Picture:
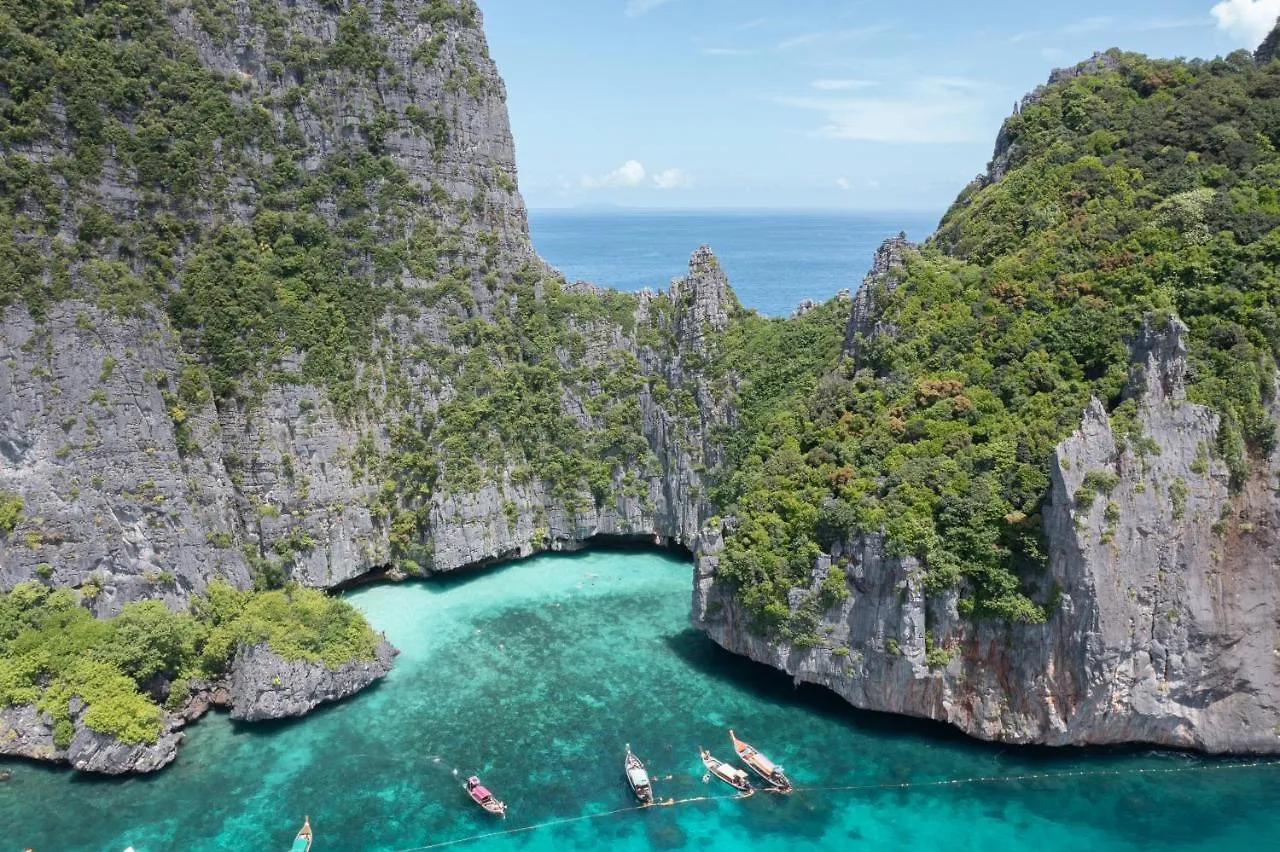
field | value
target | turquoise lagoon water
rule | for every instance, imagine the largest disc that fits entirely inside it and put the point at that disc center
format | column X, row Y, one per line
column 535, row 675
column 774, row 259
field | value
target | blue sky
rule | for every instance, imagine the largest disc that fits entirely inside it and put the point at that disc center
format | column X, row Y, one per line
column 801, row 103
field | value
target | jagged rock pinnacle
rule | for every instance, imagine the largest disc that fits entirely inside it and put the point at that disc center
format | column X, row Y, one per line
column 1270, row 47
column 704, row 293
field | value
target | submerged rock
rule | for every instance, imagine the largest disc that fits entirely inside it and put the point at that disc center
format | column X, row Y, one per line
column 263, row 685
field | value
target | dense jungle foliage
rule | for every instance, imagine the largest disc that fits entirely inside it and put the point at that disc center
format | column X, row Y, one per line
column 1139, row 187
column 52, row 649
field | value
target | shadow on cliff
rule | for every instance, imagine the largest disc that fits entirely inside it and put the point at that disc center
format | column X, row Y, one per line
column 767, row 684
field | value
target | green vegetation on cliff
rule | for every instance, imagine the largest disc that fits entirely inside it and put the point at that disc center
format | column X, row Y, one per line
column 52, row 650
column 10, row 511
column 1136, row 188
column 217, row 162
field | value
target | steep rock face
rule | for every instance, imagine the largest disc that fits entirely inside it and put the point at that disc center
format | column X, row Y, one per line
column 884, row 276
column 114, row 502
column 265, row 686
column 111, row 506
column 1164, row 630
column 137, row 481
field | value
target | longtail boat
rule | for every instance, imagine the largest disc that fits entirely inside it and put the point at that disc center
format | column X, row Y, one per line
column 764, row 767
column 302, row 843
column 731, row 775
column 482, row 797
column 637, row 777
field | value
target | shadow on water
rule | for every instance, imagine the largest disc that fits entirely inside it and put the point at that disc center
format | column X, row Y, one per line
column 767, row 684
column 600, row 545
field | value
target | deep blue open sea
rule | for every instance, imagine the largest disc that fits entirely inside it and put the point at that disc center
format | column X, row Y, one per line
column 773, row 259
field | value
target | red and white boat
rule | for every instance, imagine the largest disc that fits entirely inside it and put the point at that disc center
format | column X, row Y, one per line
column 764, row 767
column 482, row 797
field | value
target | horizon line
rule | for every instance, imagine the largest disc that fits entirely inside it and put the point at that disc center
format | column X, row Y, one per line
column 616, row 208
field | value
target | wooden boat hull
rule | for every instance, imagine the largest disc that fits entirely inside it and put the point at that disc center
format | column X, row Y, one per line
column 302, row 841
column 734, row 777
column 769, row 772
column 495, row 808
column 484, row 798
column 643, row 791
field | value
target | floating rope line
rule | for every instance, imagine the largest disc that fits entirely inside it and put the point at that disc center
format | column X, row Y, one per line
column 950, row 782
column 1042, row 776
column 664, row 804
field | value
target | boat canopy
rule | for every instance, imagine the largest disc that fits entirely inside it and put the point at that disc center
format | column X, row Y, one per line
column 300, row 844
column 763, row 763
column 639, row 777
column 481, row 791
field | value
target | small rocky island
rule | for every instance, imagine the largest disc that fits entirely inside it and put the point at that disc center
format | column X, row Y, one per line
column 261, row 685
column 270, row 321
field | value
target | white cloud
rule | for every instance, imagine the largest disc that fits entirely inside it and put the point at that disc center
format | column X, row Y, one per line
column 671, row 179
column 1156, row 24
column 636, row 8
column 1249, row 21
column 797, row 41
column 931, row 110
column 841, row 85
column 1088, row 25
column 631, row 173
column 832, row 36
column 844, row 183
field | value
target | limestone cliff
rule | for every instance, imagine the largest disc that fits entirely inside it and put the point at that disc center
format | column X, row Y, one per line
column 264, row 686
column 880, row 281
column 1163, row 628
column 270, row 313
column 134, row 484
column 26, row 731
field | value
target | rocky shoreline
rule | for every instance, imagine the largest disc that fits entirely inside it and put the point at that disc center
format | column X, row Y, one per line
column 260, row 686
